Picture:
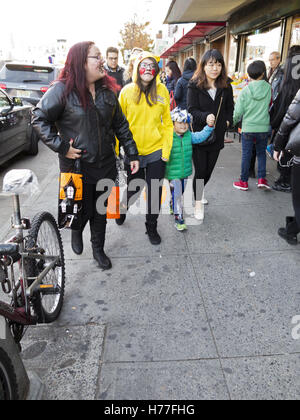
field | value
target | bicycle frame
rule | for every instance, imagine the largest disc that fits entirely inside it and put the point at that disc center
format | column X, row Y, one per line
column 22, row 315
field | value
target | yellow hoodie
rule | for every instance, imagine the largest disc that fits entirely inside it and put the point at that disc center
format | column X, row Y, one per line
column 151, row 126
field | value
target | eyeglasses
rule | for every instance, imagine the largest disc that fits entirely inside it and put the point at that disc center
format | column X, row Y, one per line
column 96, row 57
column 146, row 66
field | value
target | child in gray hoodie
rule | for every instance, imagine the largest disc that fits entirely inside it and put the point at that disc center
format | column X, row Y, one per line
column 253, row 108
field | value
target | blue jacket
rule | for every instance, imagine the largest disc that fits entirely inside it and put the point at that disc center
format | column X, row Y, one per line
column 182, row 88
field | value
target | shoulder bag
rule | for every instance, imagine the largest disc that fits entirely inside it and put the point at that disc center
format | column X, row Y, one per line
column 213, row 137
column 70, row 198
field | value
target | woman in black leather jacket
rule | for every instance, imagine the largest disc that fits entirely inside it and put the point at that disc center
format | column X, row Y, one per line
column 290, row 122
column 79, row 117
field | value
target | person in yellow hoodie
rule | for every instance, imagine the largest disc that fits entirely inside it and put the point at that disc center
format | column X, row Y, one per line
column 146, row 105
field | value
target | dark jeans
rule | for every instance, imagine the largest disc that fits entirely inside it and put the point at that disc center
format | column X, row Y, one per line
column 248, row 140
column 204, row 163
column 154, row 171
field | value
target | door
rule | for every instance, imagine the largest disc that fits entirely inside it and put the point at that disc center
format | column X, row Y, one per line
column 13, row 127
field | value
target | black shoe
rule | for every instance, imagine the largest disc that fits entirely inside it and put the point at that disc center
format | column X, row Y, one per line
column 76, row 242
column 280, row 186
column 152, row 233
column 121, row 220
column 102, row 259
column 290, row 238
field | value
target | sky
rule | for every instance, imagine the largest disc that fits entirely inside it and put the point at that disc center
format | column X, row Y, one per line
column 37, row 21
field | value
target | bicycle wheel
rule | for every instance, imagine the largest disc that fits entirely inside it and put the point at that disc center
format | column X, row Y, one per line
column 8, row 379
column 44, row 235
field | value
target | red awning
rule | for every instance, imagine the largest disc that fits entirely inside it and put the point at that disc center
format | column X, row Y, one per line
column 199, row 31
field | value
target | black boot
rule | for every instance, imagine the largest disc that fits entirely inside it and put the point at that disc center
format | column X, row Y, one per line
column 152, row 233
column 101, row 258
column 289, row 233
column 122, row 217
column 98, row 231
column 76, row 242
column 290, row 238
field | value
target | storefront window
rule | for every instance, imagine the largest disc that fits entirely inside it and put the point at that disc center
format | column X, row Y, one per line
column 232, row 56
column 261, row 44
column 295, row 40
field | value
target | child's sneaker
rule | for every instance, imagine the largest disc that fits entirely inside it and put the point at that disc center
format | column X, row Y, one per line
column 180, row 225
column 241, row 185
column 263, row 184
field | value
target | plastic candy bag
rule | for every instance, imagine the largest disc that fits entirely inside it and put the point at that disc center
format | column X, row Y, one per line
column 21, row 181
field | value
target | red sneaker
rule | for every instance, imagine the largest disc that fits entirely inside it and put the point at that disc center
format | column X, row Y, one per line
column 263, row 184
column 241, row 185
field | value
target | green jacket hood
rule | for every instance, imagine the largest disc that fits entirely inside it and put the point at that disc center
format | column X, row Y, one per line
column 259, row 89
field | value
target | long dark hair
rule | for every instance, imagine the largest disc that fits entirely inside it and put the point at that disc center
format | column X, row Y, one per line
column 173, row 66
column 200, row 76
column 289, row 86
column 73, row 74
column 150, row 90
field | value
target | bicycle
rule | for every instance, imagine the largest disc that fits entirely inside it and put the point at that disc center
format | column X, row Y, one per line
column 36, row 296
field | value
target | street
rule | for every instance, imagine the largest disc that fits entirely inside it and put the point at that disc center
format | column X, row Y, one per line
column 206, row 315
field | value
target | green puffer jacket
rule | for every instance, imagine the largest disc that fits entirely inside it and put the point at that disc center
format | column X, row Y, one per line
column 180, row 164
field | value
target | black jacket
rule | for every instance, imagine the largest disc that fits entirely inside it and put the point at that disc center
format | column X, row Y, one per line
column 290, row 121
column 93, row 130
column 276, row 80
column 118, row 75
column 181, row 89
column 200, row 105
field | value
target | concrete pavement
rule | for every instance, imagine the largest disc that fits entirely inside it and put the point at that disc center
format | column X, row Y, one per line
column 206, row 315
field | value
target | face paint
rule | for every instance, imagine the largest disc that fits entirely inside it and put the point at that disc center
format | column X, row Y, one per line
column 142, row 71
column 145, row 67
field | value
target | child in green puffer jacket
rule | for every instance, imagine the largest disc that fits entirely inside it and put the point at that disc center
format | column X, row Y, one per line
column 180, row 165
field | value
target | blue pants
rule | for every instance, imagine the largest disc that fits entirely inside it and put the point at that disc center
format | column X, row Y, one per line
column 177, row 190
column 260, row 140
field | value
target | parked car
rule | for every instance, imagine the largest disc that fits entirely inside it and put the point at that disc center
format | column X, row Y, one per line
column 16, row 131
column 27, row 81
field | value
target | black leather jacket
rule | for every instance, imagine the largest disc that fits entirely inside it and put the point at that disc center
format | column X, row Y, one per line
column 290, row 121
column 93, row 130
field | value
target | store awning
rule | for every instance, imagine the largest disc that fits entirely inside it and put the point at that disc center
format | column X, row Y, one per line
column 199, row 31
column 189, row 11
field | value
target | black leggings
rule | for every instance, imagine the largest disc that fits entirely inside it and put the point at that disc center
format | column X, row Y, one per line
column 296, row 196
column 204, row 163
column 153, row 171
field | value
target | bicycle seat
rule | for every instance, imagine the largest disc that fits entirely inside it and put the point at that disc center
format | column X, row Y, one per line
column 11, row 250
column 20, row 181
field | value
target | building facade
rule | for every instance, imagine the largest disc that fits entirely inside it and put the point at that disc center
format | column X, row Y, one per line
column 242, row 30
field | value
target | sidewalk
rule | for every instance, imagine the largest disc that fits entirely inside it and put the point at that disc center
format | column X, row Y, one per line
column 207, row 315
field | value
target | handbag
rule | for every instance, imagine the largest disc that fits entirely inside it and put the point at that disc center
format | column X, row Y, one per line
column 212, row 137
column 70, row 199
column 172, row 101
column 113, row 204
column 293, row 145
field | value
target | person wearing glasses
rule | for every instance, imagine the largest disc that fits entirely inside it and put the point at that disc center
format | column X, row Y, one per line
column 112, row 67
column 78, row 118
column 146, row 105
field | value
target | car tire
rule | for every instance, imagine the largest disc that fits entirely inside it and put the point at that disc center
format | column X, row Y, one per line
column 34, row 143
